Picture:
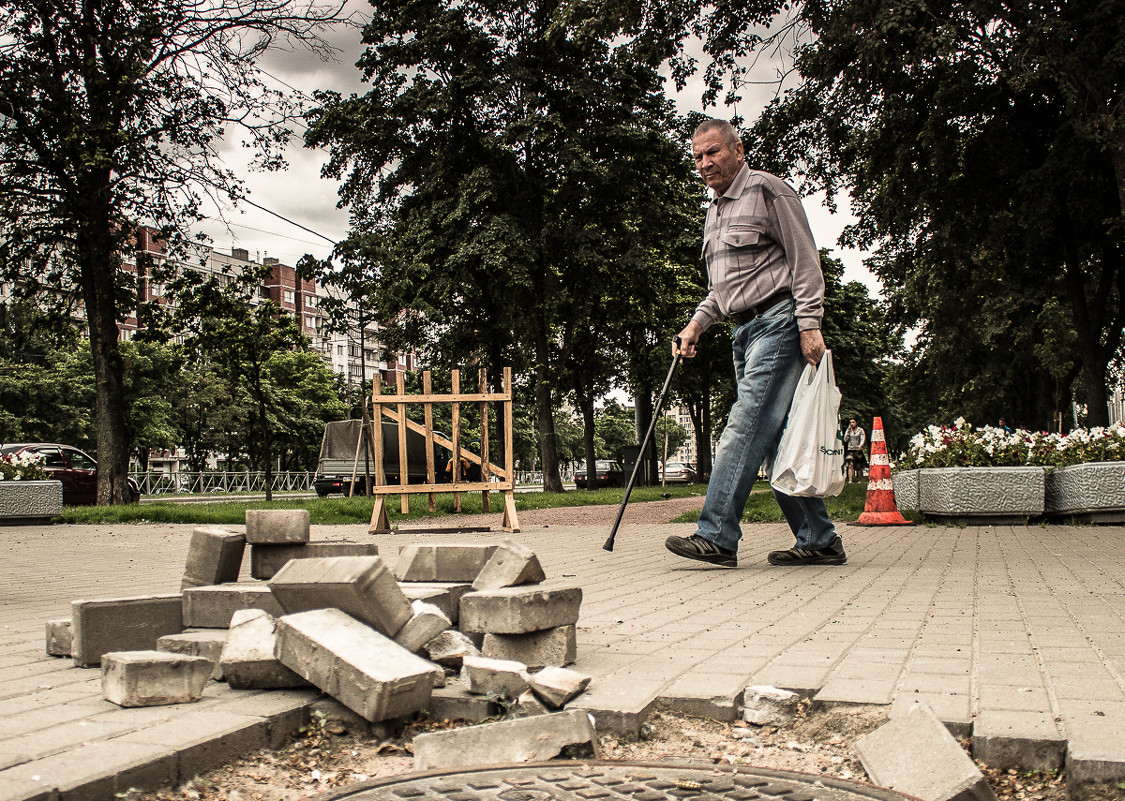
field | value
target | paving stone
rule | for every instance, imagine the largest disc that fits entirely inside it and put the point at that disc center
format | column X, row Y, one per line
column 153, row 678
column 212, row 607
column 511, row 565
column 445, row 595
column 285, row 711
column 248, row 658
column 556, row 685
column 277, row 526
column 915, row 754
column 520, row 610
column 717, row 696
column 133, row 623
column 527, row 705
column 359, row 667
column 442, row 561
column 1021, row 740
column 266, row 559
column 207, row 643
column 450, row 648
column 620, row 704
column 60, row 637
column 214, row 557
column 361, row 586
column 1095, row 756
column 97, row 771
column 555, row 647
column 456, row 703
column 494, row 677
column 427, row 622
column 529, row 739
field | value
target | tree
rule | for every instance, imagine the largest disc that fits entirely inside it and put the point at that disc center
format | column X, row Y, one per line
column 109, row 115
column 516, row 158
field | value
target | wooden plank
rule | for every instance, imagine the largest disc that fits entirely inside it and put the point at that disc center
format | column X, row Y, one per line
column 455, row 463
column 403, row 467
column 428, row 416
column 461, row 486
column 482, row 378
column 494, row 469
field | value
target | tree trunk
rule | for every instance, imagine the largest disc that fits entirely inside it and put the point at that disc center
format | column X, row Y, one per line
column 99, row 258
column 644, row 420
column 587, row 405
column 545, row 414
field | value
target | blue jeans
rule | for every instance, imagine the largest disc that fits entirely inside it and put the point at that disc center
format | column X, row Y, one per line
column 767, row 367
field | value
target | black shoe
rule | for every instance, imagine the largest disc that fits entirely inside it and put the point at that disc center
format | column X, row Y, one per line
column 695, row 547
column 832, row 555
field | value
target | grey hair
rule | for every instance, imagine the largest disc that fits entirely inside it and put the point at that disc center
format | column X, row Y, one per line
column 728, row 131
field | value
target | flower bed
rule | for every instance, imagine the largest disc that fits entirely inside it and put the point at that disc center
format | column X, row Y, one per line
column 961, row 445
column 25, row 495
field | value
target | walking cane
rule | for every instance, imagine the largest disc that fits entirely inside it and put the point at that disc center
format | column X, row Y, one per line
column 644, row 447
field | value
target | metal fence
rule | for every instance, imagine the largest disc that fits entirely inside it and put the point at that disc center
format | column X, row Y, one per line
column 221, row 482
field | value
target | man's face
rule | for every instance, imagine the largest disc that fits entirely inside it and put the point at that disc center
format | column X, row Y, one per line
column 717, row 161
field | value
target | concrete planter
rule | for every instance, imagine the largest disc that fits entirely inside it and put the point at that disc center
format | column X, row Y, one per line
column 984, row 494
column 906, row 488
column 30, row 501
column 1092, row 492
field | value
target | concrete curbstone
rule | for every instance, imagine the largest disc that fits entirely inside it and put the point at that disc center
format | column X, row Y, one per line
column 454, row 562
column 133, row 623
column 207, row 643
column 556, row 686
column 427, row 622
column 277, row 526
column 457, row 703
column 530, row 739
column 214, row 557
column 520, row 610
column 360, row 586
column 97, row 771
column 268, row 558
column 445, row 595
column 450, row 648
column 1023, row 740
column 557, row 647
column 213, row 607
column 495, row 677
column 511, row 565
column 153, row 678
column 915, row 754
column 359, row 667
column 248, row 659
column 204, row 740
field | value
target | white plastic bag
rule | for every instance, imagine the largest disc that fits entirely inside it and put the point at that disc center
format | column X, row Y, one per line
column 810, row 457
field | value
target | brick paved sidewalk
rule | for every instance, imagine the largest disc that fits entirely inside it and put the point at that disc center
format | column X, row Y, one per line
column 1014, row 635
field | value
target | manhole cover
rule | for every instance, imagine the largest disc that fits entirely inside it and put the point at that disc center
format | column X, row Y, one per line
column 610, row 781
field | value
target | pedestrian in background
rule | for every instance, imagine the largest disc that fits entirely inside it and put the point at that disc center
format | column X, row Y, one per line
column 854, row 459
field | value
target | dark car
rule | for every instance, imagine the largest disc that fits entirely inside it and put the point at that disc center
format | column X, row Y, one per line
column 76, row 469
column 609, row 474
column 678, row 473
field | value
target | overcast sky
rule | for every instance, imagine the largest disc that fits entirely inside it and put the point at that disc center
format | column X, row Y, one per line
column 299, row 193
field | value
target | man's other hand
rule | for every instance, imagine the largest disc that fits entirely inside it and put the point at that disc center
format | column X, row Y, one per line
column 684, row 343
column 812, row 345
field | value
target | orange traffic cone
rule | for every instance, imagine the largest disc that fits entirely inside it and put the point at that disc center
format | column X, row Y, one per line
column 880, row 509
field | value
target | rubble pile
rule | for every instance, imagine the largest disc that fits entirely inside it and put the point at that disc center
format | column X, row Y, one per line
column 462, row 631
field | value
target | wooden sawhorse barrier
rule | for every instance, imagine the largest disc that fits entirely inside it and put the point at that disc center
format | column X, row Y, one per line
column 393, row 406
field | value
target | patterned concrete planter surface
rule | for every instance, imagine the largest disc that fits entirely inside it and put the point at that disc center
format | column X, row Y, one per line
column 1091, row 492
column 989, row 493
column 22, row 501
column 906, row 488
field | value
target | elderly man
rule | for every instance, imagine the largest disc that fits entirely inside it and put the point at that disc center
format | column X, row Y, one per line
column 764, row 276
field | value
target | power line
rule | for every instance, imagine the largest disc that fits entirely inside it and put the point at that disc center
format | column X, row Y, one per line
column 291, row 222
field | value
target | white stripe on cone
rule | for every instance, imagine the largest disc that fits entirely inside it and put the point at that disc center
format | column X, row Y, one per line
column 881, row 484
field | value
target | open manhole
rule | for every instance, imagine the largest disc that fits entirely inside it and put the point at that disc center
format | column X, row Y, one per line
column 611, row 781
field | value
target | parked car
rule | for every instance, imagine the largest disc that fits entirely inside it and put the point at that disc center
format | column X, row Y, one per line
column 679, row 473
column 77, row 470
column 609, row 474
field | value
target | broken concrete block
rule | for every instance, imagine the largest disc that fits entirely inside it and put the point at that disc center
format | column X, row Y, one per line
column 212, row 607
column 248, row 659
column 266, row 559
column 557, row 685
column 512, row 564
column 214, row 557
column 207, row 643
column 60, row 637
column 445, row 595
column 529, row 739
column 361, row 586
column 449, row 649
column 359, row 667
column 153, row 678
column 769, row 706
column 915, row 754
column 494, row 677
column 428, row 622
column 527, row 705
column 442, row 562
column 457, row 703
column 122, row 624
column 555, row 647
column 520, row 610
column 277, row 526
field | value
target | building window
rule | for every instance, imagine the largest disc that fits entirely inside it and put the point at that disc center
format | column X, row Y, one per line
column 288, row 295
